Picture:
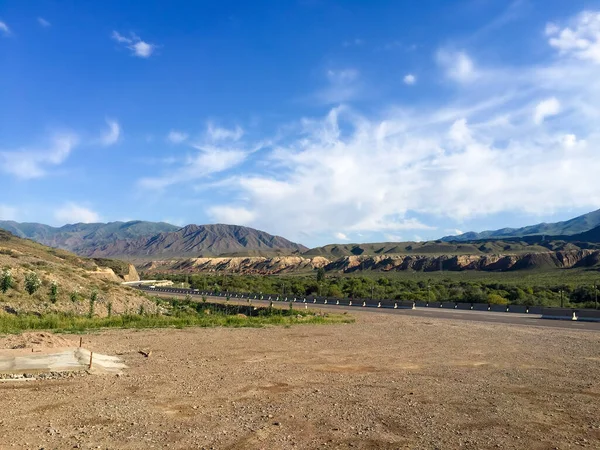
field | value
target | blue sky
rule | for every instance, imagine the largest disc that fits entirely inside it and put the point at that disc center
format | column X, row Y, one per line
column 322, row 121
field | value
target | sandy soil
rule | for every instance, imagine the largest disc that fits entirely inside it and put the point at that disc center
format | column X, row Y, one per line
column 384, row 382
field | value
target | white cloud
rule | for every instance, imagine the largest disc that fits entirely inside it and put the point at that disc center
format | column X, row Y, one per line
column 458, row 65
column 43, row 22
column 215, row 133
column 7, row 212
column 211, row 156
column 477, row 156
column 341, row 236
column 410, row 79
column 459, row 133
column 343, row 85
column 31, row 163
column 392, row 237
column 569, row 141
column 177, row 137
column 4, row 29
column 546, row 108
column 581, row 39
column 138, row 47
column 74, row 213
column 455, row 232
column 231, row 215
column 111, row 136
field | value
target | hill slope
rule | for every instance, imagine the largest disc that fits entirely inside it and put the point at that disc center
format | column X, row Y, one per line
column 71, row 273
column 576, row 225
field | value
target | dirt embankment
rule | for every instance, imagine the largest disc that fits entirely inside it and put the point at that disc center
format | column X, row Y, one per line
column 383, row 263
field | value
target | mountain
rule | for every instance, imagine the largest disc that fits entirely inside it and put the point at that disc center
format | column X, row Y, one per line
column 531, row 252
column 154, row 239
column 573, row 226
column 82, row 238
column 76, row 278
column 516, row 246
column 200, row 240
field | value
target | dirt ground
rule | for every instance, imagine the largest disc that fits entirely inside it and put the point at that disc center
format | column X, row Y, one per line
column 384, row 382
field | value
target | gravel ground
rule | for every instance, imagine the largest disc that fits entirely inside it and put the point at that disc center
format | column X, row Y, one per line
column 386, row 381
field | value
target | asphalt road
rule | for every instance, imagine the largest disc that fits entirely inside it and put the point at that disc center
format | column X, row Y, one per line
column 437, row 313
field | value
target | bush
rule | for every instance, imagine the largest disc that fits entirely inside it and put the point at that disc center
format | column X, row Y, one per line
column 93, row 299
column 496, row 299
column 6, row 280
column 32, row 282
column 53, row 292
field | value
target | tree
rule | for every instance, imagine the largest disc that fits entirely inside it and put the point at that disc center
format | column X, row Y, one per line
column 6, row 280
column 496, row 299
column 320, row 274
column 32, row 282
column 53, row 291
column 93, row 299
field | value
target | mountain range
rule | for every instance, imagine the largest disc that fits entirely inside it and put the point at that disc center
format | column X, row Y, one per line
column 573, row 226
column 139, row 239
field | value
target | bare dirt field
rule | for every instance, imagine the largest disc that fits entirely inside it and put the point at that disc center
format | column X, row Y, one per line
column 386, row 381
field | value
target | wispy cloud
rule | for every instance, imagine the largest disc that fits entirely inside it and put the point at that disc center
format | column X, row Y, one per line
column 341, row 236
column 4, row 29
column 357, row 42
column 8, row 212
column 31, row 163
column 138, row 47
column 546, row 108
column 111, row 136
column 487, row 152
column 177, row 137
column 342, row 85
column 74, row 213
column 458, row 65
column 43, row 22
column 216, row 133
column 409, row 79
column 218, row 152
column 232, row 215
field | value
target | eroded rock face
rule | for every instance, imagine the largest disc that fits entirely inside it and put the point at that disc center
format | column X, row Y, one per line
column 132, row 275
column 383, row 263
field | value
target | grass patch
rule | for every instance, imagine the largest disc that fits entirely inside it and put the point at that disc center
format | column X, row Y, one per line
column 180, row 316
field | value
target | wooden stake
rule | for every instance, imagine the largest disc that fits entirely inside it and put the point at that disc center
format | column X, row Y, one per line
column 91, row 355
column 80, row 340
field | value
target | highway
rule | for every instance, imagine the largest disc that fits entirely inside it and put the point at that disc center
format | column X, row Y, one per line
column 430, row 312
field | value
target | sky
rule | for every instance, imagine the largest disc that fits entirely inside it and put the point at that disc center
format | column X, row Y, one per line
column 320, row 121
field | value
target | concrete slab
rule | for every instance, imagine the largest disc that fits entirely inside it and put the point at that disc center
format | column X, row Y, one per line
column 57, row 360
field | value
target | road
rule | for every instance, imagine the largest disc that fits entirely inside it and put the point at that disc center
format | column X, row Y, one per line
column 437, row 313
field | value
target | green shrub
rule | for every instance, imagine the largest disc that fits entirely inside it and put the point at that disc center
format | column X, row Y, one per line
column 32, row 282
column 6, row 280
column 53, row 291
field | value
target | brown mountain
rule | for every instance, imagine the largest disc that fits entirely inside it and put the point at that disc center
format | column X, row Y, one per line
column 198, row 241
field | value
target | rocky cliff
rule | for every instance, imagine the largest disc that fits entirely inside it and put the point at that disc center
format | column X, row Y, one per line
column 383, row 263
